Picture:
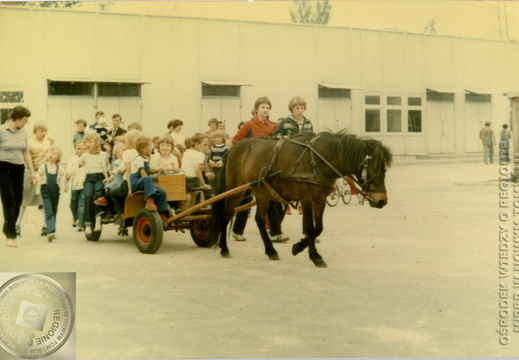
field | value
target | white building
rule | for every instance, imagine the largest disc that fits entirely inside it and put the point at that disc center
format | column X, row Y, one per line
column 419, row 94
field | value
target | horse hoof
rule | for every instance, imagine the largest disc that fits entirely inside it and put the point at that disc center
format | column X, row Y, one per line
column 319, row 263
column 273, row 256
column 295, row 250
column 226, row 254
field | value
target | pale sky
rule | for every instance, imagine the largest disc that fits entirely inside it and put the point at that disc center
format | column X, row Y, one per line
column 478, row 19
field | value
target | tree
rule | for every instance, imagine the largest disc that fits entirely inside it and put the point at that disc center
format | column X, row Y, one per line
column 52, row 4
column 429, row 27
column 304, row 12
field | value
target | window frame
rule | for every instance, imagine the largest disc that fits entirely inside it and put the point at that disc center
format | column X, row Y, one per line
column 378, row 107
column 420, row 108
column 95, row 85
column 8, row 106
column 333, row 90
column 205, row 85
column 389, row 107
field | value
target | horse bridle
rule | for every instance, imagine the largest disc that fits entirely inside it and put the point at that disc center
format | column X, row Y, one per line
column 361, row 186
column 365, row 181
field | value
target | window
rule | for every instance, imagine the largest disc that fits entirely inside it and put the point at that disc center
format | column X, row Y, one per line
column 332, row 93
column 372, row 120
column 394, row 114
column 4, row 115
column 8, row 100
column 372, row 100
column 69, row 88
column 473, row 97
column 220, row 90
column 414, row 114
column 394, row 121
column 89, row 88
column 11, row 96
column 372, row 113
column 119, row 89
column 414, row 101
column 439, row 96
column 394, row 100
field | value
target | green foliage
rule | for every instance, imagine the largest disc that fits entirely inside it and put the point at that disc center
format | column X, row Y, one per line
column 103, row 6
column 304, row 12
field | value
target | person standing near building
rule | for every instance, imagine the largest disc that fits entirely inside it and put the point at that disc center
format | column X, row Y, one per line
column 38, row 147
column 293, row 124
column 51, row 176
column 175, row 128
column 504, row 144
column 488, row 139
column 14, row 152
column 99, row 114
column 259, row 127
column 80, row 134
column 116, row 130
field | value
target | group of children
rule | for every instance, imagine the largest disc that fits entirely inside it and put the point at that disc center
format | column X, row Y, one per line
column 99, row 179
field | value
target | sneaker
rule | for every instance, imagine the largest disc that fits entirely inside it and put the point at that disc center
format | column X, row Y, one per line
column 279, row 238
column 80, row 229
column 11, row 243
column 51, row 237
column 238, row 237
column 74, row 223
column 18, row 230
column 88, row 230
column 101, row 201
column 43, row 231
column 150, row 204
column 164, row 218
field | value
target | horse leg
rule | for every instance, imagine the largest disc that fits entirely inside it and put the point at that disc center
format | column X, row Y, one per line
column 261, row 211
column 308, row 223
column 228, row 213
column 318, row 210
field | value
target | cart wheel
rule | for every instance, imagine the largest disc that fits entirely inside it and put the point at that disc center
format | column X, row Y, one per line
column 346, row 194
column 201, row 234
column 333, row 198
column 148, row 231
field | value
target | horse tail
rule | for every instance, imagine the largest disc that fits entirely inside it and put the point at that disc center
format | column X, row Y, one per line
column 217, row 208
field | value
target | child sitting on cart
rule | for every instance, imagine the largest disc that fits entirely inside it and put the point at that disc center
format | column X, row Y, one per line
column 164, row 161
column 116, row 180
column 140, row 180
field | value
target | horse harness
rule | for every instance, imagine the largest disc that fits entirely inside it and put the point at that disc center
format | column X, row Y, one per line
column 314, row 178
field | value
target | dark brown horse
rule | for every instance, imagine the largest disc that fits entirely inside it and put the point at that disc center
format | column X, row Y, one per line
column 302, row 168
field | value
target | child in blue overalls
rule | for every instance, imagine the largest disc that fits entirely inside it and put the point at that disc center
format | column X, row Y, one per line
column 140, row 180
column 50, row 176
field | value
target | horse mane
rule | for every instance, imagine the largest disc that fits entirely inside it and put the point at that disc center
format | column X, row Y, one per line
column 354, row 149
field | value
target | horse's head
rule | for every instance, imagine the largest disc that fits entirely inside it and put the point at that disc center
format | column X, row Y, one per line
column 371, row 173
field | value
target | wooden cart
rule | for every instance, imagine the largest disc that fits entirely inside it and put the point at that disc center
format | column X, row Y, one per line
column 147, row 226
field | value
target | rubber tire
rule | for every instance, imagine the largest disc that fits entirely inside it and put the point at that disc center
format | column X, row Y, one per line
column 333, row 198
column 346, row 194
column 201, row 235
column 148, row 231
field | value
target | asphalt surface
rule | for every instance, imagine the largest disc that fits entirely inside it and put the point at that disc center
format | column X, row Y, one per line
column 419, row 278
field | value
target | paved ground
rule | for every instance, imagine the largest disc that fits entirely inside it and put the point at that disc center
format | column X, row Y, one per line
column 418, row 278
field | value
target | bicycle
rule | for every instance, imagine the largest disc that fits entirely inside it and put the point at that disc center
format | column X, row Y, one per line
column 340, row 190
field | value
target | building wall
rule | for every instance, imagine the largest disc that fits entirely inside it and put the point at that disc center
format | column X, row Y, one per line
column 172, row 56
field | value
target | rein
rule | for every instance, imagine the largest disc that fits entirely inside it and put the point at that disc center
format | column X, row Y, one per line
column 361, row 188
